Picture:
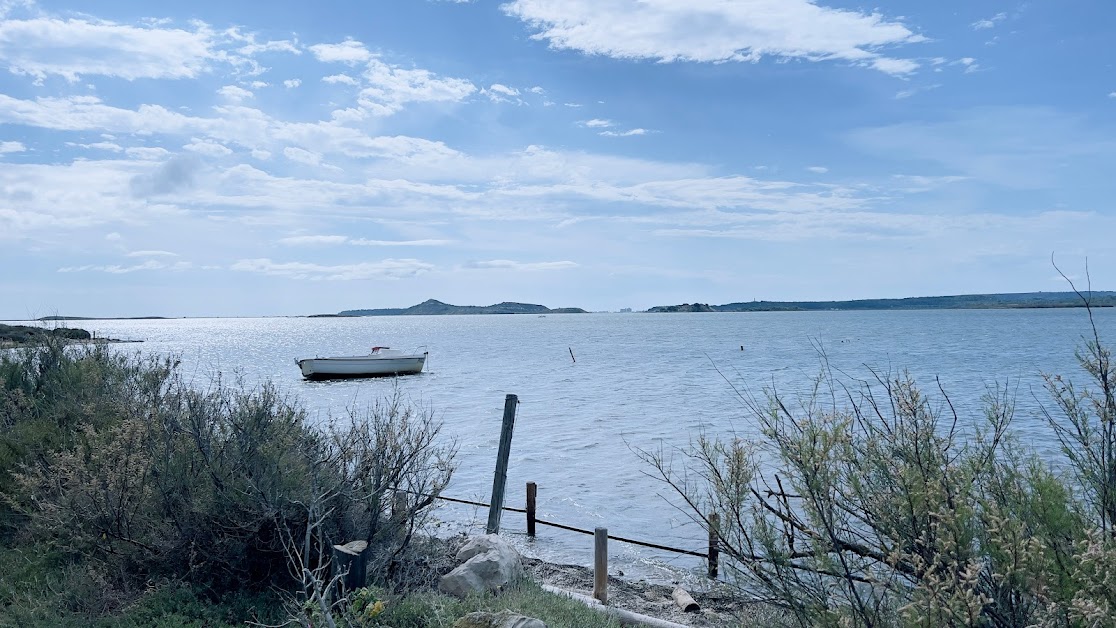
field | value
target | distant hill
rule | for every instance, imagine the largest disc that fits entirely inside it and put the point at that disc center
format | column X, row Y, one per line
column 957, row 302
column 434, row 307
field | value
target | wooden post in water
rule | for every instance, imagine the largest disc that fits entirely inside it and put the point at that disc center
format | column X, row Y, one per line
column 600, row 565
column 714, row 543
column 501, row 477
column 532, row 493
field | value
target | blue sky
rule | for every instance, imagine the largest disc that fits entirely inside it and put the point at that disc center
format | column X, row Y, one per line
column 222, row 160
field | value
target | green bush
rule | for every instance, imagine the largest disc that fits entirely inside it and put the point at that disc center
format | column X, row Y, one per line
column 126, row 474
column 873, row 503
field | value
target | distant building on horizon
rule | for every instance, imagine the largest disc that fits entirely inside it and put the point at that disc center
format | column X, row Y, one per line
column 625, row 310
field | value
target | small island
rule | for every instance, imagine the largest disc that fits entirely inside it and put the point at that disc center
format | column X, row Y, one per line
column 434, row 307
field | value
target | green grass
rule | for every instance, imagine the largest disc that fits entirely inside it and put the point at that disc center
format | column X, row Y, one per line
column 42, row 588
column 436, row 610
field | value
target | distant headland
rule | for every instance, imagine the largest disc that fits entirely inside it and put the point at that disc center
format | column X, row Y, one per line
column 433, row 307
column 957, row 302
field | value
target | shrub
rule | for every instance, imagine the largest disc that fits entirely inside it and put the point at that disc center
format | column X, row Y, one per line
column 113, row 462
column 873, row 503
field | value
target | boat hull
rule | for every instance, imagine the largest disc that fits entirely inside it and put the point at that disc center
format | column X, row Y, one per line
column 360, row 366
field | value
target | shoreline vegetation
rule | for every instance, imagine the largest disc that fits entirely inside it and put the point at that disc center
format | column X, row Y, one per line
column 12, row 336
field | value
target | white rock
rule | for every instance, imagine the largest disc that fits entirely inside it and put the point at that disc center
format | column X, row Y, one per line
column 491, row 565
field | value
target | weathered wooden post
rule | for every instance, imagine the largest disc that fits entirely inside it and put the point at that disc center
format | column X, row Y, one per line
column 600, row 565
column 351, row 559
column 532, row 493
column 714, row 543
column 500, row 479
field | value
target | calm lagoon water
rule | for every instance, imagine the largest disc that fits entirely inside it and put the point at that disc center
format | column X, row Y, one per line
column 640, row 381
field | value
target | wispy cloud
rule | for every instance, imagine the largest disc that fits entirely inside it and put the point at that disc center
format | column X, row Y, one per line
column 628, row 133
column 818, row 169
column 504, row 264
column 390, row 87
column 714, row 31
column 386, row 269
column 597, row 123
column 116, row 269
column 989, row 22
column 235, row 94
column 316, row 240
column 292, row 83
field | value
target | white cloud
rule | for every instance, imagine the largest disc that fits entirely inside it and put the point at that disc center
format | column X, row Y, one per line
column 72, row 48
column 292, row 83
column 348, row 51
column 314, row 240
column 628, row 133
column 386, row 269
column 391, row 87
column 244, row 126
column 235, row 94
column 818, row 169
column 597, row 123
column 340, row 78
column 505, row 264
column 302, row 156
column 537, row 90
column 146, row 152
column 108, row 146
column 716, row 31
column 208, row 148
column 990, row 22
column 502, row 93
column 117, row 269
column 1112, row 95
column 262, row 155
column 151, row 254
column 12, row 147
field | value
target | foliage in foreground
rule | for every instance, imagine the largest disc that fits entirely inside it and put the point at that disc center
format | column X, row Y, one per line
column 124, row 476
column 875, row 504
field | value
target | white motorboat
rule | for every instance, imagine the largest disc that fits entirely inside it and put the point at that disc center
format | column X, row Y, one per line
column 380, row 361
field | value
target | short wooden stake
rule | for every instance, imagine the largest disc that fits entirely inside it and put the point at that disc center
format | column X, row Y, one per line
column 532, row 493
column 500, row 479
column 600, row 565
column 714, row 543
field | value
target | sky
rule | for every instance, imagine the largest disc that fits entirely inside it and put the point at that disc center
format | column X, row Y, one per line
column 215, row 159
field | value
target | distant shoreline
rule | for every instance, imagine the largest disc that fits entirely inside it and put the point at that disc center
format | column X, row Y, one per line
column 431, row 307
